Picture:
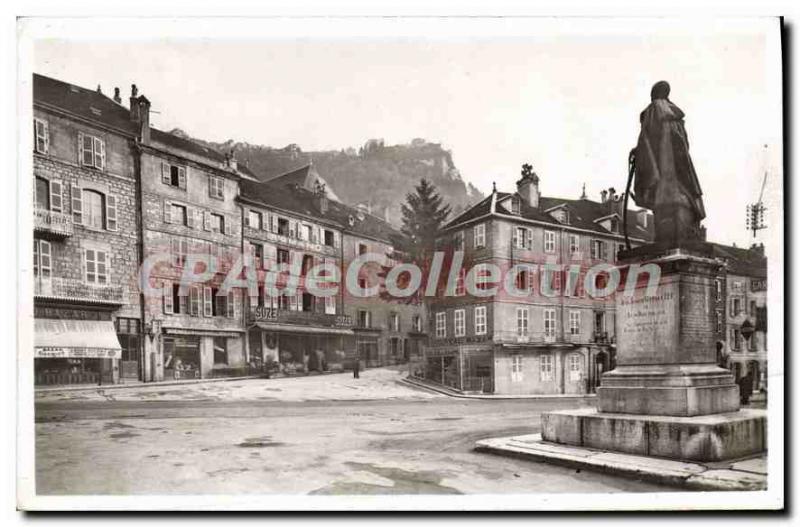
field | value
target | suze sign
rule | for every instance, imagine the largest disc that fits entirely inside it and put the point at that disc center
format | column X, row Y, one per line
column 271, row 314
column 758, row 285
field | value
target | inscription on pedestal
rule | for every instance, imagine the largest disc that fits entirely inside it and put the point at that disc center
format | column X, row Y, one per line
column 647, row 326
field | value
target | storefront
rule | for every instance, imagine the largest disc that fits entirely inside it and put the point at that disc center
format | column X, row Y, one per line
column 182, row 358
column 76, row 351
column 202, row 354
column 296, row 349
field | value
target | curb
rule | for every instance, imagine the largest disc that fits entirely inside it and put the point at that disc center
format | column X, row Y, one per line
column 451, row 393
column 691, row 476
column 93, row 387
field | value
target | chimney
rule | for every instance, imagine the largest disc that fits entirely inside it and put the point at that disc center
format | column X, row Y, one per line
column 603, row 196
column 642, row 218
column 140, row 113
column 117, row 98
column 230, row 160
column 528, row 186
column 99, row 90
column 322, row 197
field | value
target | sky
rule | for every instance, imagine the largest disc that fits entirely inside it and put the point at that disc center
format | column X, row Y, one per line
column 562, row 98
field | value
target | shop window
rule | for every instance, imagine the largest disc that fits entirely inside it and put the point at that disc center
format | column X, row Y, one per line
column 220, row 350
column 128, row 334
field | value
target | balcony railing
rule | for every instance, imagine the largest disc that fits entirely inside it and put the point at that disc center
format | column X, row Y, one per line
column 51, row 222
column 78, row 291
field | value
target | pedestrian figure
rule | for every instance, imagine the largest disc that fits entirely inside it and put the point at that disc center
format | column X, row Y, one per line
column 356, row 367
column 746, row 388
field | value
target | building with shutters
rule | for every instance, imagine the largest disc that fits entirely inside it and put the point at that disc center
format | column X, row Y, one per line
column 87, row 313
column 552, row 337
column 296, row 220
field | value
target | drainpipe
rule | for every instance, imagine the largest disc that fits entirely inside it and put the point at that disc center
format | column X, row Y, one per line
column 137, row 171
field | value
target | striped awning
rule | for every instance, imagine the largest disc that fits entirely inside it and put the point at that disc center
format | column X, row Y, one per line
column 75, row 339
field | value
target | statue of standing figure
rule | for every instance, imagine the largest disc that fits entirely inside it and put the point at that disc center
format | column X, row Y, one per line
column 665, row 181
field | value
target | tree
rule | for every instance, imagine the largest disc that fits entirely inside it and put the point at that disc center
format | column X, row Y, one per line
column 424, row 214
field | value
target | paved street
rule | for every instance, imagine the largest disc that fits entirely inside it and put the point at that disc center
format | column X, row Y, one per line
column 387, row 438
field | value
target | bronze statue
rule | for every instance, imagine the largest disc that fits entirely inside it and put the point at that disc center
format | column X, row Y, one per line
column 665, row 180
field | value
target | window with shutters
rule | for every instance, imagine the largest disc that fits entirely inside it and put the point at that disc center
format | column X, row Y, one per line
column 41, row 136
column 168, row 294
column 598, row 250
column 549, row 241
column 546, row 368
column 42, row 259
column 179, row 248
column 459, row 322
column 416, row 323
column 92, row 151
column 364, row 319
column 480, row 320
column 330, row 305
column 178, row 214
column 93, row 207
column 304, row 233
column 254, row 219
column 217, row 223
column 173, row 175
column 216, row 187
column 96, row 266
column 111, row 212
column 208, row 302
column 523, row 280
column 479, row 236
column 441, row 325
column 520, row 237
column 283, row 256
column 283, row 226
column 257, row 250
column 522, row 321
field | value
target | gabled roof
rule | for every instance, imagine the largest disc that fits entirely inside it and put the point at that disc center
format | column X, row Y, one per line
column 583, row 213
column 95, row 106
column 746, row 262
column 306, row 177
column 294, row 198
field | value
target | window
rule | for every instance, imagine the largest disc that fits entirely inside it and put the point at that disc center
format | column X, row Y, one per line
column 522, row 321
column 599, row 322
column 220, row 350
column 574, row 244
column 441, row 325
column 362, row 248
column 48, row 195
column 575, row 367
column 254, row 219
column 328, row 238
column 92, row 151
column 96, row 266
column 460, row 282
column 42, row 259
column 173, row 175
column 514, row 205
column 549, row 324
column 521, row 235
column 479, row 236
column 480, row 320
column 283, row 227
column 598, row 250
column 330, row 305
column 718, row 285
column 257, row 250
column 735, row 339
column 216, row 187
column 364, row 319
column 283, row 256
column 523, row 280
column 574, row 322
column 178, row 215
column 179, row 248
column 92, row 209
column 546, row 368
column 719, row 321
column 305, row 232
column 41, row 136
column 481, row 276
column 233, row 304
column 516, row 368
column 128, row 334
column 208, row 302
column 549, row 241
column 736, row 306
column 283, row 302
column 458, row 241
column 394, row 322
column 620, row 248
column 752, row 312
column 217, row 223
column 416, row 323
column 459, row 322
column 614, row 225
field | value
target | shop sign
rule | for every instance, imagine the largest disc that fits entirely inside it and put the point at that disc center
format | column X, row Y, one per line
column 75, row 353
column 301, row 244
column 758, row 285
column 280, row 316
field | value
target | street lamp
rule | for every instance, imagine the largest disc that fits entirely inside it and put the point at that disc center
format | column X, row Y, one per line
column 747, row 329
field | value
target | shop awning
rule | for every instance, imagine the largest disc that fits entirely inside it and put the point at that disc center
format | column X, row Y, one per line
column 308, row 330
column 90, row 339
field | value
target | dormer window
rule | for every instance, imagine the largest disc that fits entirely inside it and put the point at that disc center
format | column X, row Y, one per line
column 561, row 215
column 515, row 205
column 614, row 225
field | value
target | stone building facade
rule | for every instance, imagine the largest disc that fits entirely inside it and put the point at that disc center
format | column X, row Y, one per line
column 539, row 332
column 86, row 303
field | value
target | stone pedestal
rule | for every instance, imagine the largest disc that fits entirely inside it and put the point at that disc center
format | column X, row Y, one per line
column 666, row 397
